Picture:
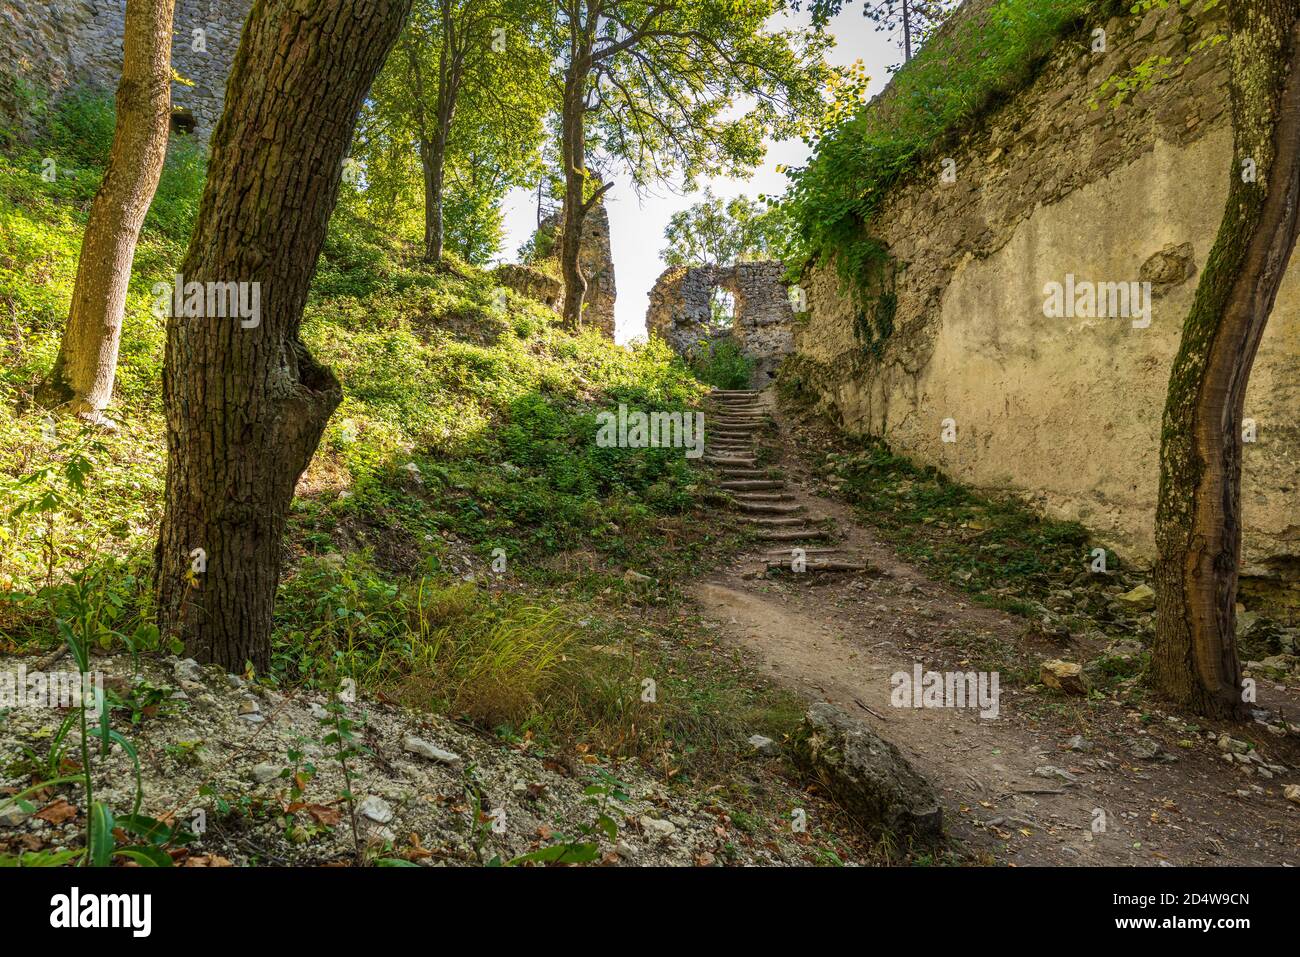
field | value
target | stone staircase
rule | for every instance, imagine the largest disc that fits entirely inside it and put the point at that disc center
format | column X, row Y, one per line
column 734, row 420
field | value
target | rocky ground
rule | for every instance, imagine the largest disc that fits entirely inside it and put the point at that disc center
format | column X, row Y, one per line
column 222, row 757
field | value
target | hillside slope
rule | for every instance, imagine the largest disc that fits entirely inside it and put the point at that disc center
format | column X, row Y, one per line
column 460, row 546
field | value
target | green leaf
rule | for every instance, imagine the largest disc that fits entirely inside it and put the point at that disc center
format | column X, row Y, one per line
column 39, row 859
column 576, row 853
column 102, row 842
column 147, row 828
column 609, row 826
column 146, row 856
column 393, row 862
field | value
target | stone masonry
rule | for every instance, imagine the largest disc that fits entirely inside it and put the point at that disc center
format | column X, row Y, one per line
column 681, row 311
column 596, row 257
column 50, row 46
column 1065, row 412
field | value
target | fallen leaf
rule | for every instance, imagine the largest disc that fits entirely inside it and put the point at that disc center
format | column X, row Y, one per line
column 58, row 812
column 327, row 816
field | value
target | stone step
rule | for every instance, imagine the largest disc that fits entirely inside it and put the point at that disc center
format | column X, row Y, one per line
column 769, row 508
column 736, row 485
column 795, row 534
column 744, row 473
column 763, row 497
column 823, row 566
column 789, row 552
column 768, row 521
column 737, row 462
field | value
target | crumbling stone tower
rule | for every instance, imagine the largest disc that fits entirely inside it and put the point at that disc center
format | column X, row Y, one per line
column 596, row 257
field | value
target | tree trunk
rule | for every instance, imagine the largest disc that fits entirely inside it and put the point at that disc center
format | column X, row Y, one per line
column 433, row 146
column 1198, row 519
column 572, row 149
column 246, row 402
column 83, row 373
column 573, row 155
column 433, row 177
column 435, row 161
column 907, row 33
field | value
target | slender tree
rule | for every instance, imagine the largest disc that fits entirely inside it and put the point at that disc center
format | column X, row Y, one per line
column 655, row 88
column 467, row 85
column 82, row 378
column 246, row 402
column 1198, row 519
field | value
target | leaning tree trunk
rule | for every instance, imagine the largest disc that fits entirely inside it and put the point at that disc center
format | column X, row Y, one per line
column 83, row 373
column 1198, row 520
column 246, row 402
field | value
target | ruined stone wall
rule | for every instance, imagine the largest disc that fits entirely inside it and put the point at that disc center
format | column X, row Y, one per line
column 681, row 311
column 1065, row 411
column 596, row 257
column 533, row 283
column 49, row 46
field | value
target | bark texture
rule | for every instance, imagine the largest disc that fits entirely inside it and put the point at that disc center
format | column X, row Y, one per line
column 573, row 153
column 1198, row 520
column 82, row 378
column 247, row 403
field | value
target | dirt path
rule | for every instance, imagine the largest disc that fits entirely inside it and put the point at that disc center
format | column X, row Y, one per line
column 1130, row 788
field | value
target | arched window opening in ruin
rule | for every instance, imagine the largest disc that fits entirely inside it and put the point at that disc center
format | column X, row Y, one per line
column 722, row 308
column 183, row 121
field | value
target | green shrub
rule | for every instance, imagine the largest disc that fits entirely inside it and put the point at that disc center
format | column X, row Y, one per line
column 429, row 643
column 722, row 365
column 81, row 127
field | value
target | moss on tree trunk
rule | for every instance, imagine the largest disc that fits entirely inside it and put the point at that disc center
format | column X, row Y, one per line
column 1198, row 520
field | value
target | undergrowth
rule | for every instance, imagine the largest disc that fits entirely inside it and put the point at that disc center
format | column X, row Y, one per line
column 459, row 540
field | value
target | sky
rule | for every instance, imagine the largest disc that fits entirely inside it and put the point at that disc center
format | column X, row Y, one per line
column 637, row 224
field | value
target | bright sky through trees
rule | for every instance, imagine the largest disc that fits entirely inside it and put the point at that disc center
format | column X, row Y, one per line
column 637, row 225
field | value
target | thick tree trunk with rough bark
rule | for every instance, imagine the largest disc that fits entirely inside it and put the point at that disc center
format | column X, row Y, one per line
column 246, row 402
column 82, row 378
column 1198, row 520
